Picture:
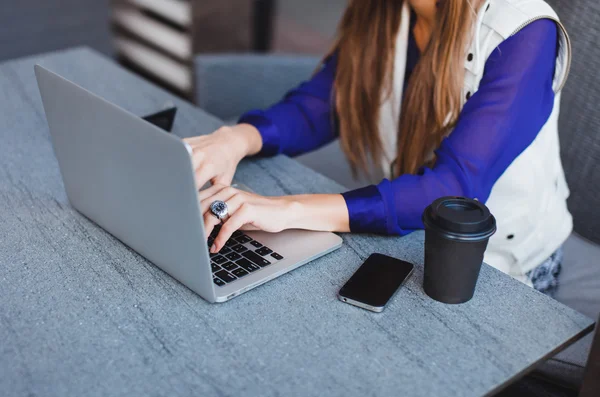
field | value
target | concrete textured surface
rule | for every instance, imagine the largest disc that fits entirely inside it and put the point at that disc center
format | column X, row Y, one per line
column 82, row 314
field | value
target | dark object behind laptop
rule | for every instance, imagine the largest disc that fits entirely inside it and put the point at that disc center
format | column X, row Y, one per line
column 163, row 119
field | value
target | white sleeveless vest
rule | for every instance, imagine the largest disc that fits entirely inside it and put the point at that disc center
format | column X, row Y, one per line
column 529, row 199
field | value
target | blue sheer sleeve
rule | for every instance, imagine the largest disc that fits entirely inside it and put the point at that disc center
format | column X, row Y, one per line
column 499, row 122
column 303, row 120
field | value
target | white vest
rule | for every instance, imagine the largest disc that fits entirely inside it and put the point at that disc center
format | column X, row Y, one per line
column 529, row 199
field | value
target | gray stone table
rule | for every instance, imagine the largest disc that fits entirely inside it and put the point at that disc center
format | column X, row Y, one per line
column 83, row 315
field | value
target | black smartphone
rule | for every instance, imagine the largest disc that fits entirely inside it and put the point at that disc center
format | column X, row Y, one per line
column 375, row 282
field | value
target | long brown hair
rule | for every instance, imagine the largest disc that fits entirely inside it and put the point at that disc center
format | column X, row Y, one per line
column 366, row 50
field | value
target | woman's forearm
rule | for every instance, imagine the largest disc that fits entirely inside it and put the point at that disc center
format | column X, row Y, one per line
column 301, row 121
column 321, row 212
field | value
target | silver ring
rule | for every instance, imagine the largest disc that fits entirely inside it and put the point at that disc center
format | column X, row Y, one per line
column 219, row 209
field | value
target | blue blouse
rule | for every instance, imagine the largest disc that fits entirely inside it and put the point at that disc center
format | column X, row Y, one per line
column 514, row 101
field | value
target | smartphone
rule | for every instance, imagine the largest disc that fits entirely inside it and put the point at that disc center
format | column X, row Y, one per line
column 375, row 282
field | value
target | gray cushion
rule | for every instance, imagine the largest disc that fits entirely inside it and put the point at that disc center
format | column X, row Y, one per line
column 580, row 290
column 580, row 117
column 228, row 85
column 580, row 278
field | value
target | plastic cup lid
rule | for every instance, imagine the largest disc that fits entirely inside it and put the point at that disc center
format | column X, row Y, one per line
column 460, row 215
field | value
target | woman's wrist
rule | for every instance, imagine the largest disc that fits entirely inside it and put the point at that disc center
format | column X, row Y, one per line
column 248, row 139
column 320, row 212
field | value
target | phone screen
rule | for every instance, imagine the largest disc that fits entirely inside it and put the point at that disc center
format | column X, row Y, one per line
column 376, row 281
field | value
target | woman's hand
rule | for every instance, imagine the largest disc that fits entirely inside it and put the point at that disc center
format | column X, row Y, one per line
column 216, row 156
column 248, row 211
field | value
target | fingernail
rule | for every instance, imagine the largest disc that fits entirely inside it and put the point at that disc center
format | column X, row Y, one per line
column 213, row 249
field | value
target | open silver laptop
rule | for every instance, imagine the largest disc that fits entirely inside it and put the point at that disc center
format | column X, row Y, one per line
column 137, row 182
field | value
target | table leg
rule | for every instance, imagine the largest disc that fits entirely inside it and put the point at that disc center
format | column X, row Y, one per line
column 591, row 380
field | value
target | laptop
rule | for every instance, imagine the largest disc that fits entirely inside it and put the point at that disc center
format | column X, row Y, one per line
column 136, row 181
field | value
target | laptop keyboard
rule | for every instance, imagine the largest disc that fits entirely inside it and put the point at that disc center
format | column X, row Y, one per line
column 240, row 256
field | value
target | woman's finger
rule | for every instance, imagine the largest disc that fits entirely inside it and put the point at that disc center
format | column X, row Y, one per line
column 203, row 174
column 207, row 195
column 224, row 194
column 210, row 221
column 203, row 169
column 235, row 202
column 241, row 217
column 198, row 154
column 208, row 192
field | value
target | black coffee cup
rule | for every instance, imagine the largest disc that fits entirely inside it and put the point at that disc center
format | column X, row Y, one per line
column 457, row 231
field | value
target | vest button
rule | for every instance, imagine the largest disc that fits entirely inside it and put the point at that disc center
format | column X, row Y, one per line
column 470, row 57
column 468, row 95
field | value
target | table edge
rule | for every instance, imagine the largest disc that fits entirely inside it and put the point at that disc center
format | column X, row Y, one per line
column 580, row 335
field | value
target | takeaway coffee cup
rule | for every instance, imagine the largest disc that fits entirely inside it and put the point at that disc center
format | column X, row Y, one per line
column 457, row 231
